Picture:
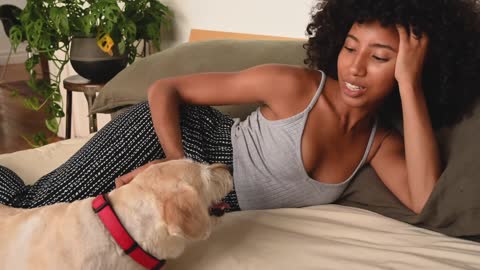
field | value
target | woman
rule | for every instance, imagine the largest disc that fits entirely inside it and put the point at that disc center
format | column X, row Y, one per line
column 316, row 127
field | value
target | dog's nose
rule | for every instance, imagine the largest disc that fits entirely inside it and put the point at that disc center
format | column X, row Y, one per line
column 218, row 210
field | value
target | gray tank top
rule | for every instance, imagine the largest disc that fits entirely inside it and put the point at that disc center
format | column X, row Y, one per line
column 267, row 162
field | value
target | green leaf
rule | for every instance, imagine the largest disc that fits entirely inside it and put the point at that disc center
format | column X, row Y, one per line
column 32, row 103
column 39, row 139
column 37, row 30
column 59, row 114
column 14, row 93
column 31, row 62
column 111, row 13
column 86, row 23
column 152, row 30
column 56, row 97
column 16, row 36
column 55, row 106
column 32, row 83
column 132, row 53
column 130, row 30
column 121, row 46
column 64, row 26
column 54, row 14
column 59, row 17
column 52, row 124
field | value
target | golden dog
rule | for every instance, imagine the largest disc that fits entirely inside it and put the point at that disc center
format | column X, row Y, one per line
column 163, row 208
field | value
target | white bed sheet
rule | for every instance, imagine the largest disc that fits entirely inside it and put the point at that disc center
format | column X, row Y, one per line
column 325, row 237
column 320, row 237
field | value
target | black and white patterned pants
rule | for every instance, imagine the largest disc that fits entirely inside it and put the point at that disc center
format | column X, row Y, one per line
column 127, row 142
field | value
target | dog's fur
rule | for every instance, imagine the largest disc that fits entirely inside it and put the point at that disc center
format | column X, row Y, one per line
column 163, row 208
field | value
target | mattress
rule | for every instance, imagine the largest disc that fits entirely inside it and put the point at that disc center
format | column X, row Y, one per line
column 318, row 237
column 325, row 237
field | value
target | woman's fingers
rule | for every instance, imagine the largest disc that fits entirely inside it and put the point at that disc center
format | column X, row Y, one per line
column 120, row 181
column 127, row 178
column 402, row 32
column 411, row 54
column 417, row 37
column 413, row 33
column 411, row 36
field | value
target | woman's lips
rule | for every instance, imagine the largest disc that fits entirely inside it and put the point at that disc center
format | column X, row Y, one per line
column 351, row 92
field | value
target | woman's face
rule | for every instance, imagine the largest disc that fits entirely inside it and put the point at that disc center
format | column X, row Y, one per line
column 366, row 64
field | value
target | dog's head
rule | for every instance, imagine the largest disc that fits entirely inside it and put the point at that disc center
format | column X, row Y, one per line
column 184, row 190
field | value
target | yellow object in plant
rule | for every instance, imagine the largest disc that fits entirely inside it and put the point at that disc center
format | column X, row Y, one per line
column 105, row 43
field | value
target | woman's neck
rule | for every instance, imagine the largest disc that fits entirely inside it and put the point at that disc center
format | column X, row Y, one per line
column 349, row 118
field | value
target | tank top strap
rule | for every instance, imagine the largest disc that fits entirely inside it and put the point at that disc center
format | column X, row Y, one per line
column 370, row 142
column 317, row 93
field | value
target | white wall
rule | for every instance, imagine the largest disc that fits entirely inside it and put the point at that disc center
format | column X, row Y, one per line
column 287, row 18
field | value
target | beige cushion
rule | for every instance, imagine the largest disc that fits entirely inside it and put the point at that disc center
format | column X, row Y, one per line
column 31, row 164
column 130, row 86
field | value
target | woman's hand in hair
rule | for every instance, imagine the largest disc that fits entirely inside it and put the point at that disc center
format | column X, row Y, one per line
column 410, row 58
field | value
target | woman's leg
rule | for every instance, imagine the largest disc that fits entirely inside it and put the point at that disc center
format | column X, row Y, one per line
column 11, row 186
column 123, row 144
column 128, row 142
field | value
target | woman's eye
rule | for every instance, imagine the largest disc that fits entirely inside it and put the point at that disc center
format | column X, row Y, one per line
column 380, row 59
column 348, row 49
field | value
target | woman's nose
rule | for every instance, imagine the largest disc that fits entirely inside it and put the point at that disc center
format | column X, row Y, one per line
column 358, row 66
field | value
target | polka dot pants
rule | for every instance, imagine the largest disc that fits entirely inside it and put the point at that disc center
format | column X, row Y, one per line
column 127, row 142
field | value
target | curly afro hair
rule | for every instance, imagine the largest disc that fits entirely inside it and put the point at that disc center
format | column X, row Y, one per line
column 451, row 73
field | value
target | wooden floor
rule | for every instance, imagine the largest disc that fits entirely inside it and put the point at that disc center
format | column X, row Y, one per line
column 15, row 119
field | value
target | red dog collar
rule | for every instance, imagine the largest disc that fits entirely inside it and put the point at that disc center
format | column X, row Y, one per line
column 102, row 207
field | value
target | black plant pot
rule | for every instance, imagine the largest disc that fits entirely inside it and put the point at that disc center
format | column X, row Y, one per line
column 9, row 16
column 90, row 62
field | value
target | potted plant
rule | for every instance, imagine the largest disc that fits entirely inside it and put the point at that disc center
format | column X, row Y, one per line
column 49, row 26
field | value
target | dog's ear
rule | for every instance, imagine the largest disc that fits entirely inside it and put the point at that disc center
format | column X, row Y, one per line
column 221, row 171
column 186, row 215
column 219, row 167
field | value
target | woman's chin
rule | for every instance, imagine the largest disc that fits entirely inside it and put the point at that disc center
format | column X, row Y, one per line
column 356, row 101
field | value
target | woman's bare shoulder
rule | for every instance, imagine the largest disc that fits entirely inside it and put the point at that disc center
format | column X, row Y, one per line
column 385, row 134
column 284, row 72
column 291, row 87
column 290, row 79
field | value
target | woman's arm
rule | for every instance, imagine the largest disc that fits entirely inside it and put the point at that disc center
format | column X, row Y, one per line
column 252, row 85
column 410, row 166
column 165, row 97
column 421, row 149
column 262, row 85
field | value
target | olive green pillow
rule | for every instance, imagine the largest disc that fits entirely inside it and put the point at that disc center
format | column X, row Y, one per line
column 454, row 205
column 130, row 86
